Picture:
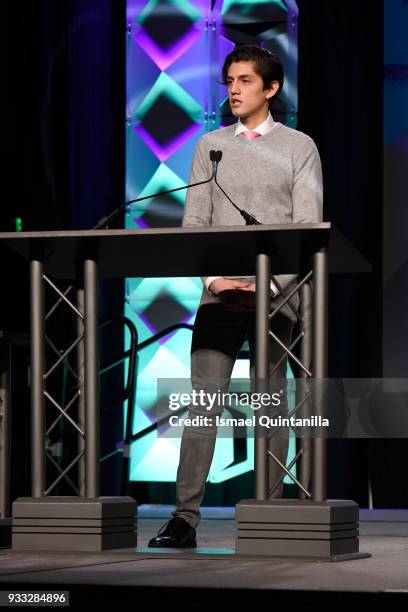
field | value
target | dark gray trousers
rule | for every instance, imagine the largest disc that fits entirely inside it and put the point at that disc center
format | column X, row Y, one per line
column 218, row 336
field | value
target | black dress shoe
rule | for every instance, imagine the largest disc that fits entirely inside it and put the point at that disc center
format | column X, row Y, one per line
column 176, row 533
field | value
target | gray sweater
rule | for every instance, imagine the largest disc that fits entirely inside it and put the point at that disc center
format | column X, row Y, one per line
column 276, row 177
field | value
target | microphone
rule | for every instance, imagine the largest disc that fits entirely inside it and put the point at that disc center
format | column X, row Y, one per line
column 215, row 157
column 105, row 220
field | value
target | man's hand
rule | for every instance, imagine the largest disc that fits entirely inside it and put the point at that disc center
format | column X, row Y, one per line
column 235, row 295
column 248, row 298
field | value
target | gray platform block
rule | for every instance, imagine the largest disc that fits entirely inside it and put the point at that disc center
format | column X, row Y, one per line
column 297, row 528
column 74, row 523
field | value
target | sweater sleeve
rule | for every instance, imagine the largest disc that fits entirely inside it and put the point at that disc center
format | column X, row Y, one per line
column 307, row 190
column 198, row 207
column 307, row 194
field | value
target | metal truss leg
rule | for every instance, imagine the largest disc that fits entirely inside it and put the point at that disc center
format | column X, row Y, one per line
column 305, row 444
column 5, row 364
column 293, row 528
column 81, row 399
column 37, row 379
column 263, row 267
column 91, row 382
column 319, row 366
column 37, row 528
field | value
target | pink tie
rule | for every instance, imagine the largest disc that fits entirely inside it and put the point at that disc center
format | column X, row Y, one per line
column 250, row 134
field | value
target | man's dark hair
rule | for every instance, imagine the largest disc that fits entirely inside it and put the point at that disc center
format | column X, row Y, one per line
column 267, row 65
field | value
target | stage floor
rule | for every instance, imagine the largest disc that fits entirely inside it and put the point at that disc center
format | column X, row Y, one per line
column 213, row 571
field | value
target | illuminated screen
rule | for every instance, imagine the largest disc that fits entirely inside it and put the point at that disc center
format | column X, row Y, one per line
column 175, row 51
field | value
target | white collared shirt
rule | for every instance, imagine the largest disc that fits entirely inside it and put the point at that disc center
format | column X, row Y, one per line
column 262, row 129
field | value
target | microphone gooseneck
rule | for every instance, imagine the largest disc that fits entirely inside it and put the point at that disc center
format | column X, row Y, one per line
column 215, row 157
column 105, row 220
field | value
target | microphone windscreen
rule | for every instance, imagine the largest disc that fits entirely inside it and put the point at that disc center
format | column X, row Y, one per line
column 218, row 155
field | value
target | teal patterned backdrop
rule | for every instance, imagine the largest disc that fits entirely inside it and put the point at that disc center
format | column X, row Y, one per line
column 175, row 51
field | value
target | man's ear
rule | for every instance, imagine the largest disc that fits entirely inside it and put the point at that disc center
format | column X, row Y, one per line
column 274, row 86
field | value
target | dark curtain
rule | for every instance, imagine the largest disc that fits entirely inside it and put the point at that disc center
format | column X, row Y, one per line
column 340, row 106
column 62, row 154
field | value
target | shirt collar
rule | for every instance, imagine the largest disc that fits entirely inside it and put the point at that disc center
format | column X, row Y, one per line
column 262, row 129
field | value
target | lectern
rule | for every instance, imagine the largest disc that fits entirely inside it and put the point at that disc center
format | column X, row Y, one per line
column 47, row 522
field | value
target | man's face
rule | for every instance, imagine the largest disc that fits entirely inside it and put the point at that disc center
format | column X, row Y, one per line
column 246, row 93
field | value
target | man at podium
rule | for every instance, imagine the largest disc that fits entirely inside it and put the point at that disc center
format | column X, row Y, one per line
column 274, row 173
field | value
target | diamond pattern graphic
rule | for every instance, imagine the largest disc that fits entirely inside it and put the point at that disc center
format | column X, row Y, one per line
column 163, row 211
column 162, row 43
column 174, row 56
column 167, row 98
column 165, row 311
column 155, row 25
column 162, row 180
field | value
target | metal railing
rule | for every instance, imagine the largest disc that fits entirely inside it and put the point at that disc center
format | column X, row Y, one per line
column 124, row 446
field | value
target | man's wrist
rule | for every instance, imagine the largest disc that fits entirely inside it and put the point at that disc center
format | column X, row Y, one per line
column 210, row 279
column 208, row 282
